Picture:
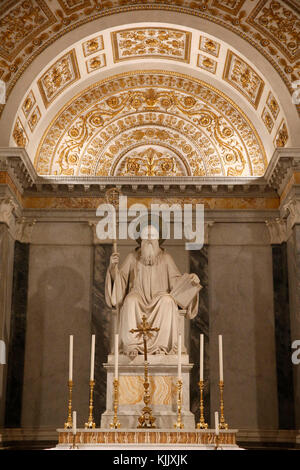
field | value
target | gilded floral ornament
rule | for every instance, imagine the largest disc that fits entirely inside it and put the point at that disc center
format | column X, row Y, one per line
column 282, row 135
column 149, row 162
column 19, row 134
column 151, row 42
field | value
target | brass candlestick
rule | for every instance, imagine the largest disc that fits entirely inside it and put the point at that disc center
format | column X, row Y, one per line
column 146, row 420
column 90, row 423
column 202, row 424
column 179, row 424
column 223, row 424
column 69, row 422
column 116, row 423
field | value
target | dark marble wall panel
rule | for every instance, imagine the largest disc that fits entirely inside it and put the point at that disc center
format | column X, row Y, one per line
column 283, row 337
column 16, row 354
column 101, row 324
column 200, row 324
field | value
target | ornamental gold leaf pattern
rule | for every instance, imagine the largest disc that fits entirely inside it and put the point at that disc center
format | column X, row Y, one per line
column 150, row 162
column 208, row 134
column 151, row 42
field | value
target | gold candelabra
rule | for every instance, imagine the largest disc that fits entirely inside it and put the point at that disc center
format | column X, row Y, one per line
column 90, row 423
column 146, row 420
column 179, row 424
column 202, row 424
column 223, row 424
column 116, row 423
column 69, row 422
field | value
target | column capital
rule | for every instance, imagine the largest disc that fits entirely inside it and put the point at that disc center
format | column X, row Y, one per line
column 8, row 211
column 23, row 229
column 291, row 211
column 277, row 230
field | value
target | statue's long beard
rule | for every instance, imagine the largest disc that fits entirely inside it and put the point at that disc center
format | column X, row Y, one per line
column 149, row 252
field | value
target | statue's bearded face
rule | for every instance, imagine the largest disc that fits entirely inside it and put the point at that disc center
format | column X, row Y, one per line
column 150, row 246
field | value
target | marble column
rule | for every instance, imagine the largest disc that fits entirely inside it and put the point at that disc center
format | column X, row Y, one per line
column 283, row 337
column 293, row 251
column 101, row 326
column 6, row 279
column 16, row 353
column 200, row 324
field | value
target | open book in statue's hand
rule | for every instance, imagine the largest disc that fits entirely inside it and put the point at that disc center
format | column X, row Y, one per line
column 185, row 290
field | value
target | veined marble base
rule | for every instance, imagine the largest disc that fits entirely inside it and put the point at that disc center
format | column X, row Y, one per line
column 165, row 419
column 162, row 371
column 126, row 439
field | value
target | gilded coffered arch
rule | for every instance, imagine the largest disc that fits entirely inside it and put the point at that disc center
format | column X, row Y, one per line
column 154, row 46
column 30, row 26
column 202, row 53
column 184, row 116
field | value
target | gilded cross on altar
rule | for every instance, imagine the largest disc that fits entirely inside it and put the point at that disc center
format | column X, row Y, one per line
column 144, row 330
column 146, row 420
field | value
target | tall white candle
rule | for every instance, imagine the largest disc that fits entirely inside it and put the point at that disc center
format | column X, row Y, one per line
column 74, row 422
column 221, row 357
column 116, row 355
column 179, row 357
column 201, row 356
column 92, row 358
column 71, row 358
column 217, row 422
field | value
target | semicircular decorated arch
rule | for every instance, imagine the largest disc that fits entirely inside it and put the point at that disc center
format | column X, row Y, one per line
column 180, row 114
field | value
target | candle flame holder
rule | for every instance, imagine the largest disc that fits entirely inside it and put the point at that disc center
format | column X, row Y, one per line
column 179, row 424
column 116, row 423
column 90, row 423
column 223, row 424
column 69, row 422
column 202, row 424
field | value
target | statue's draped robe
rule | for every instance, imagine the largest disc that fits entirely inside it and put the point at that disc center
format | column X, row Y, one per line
column 145, row 289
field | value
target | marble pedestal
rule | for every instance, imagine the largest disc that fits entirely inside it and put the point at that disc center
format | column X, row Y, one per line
column 163, row 391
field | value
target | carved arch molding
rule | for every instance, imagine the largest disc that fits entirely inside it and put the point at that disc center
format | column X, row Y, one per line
column 151, row 124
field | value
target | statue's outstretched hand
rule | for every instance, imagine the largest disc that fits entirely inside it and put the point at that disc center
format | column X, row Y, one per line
column 194, row 279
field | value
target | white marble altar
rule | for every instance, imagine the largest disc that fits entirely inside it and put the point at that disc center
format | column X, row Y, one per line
column 163, row 392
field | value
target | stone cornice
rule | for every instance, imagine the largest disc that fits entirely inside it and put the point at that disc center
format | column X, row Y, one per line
column 16, row 162
column 284, row 163
column 19, row 166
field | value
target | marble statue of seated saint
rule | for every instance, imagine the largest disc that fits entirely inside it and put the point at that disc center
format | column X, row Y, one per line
column 149, row 282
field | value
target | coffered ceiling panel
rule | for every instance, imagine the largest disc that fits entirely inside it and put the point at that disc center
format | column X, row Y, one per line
column 27, row 27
